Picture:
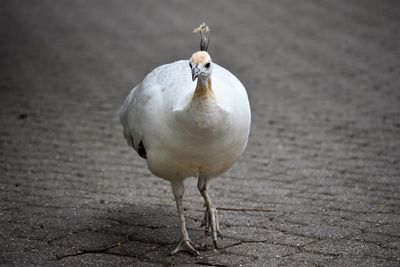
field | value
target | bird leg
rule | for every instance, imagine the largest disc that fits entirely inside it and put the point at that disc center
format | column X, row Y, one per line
column 210, row 216
column 185, row 244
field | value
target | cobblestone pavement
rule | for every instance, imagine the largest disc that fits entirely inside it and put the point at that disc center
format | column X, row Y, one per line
column 319, row 183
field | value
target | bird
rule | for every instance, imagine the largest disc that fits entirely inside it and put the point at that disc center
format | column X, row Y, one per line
column 189, row 118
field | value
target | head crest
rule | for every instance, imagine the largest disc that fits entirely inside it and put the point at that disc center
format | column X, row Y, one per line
column 204, row 31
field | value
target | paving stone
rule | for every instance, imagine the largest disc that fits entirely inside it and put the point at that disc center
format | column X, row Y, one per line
column 132, row 249
column 317, row 185
column 379, row 239
column 259, row 250
column 307, row 259
column 100, row 260
column 349, row 247
column 364, row 261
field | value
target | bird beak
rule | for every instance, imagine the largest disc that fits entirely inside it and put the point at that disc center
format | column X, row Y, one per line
column 195, row 73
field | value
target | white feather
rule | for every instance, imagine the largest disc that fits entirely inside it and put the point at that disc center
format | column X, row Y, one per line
column 182, row 138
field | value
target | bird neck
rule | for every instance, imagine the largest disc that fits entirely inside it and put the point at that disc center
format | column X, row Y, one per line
column 203, row 90
column 202, row 116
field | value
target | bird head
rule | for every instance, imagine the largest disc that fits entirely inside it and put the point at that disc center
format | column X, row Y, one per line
column 200, row 64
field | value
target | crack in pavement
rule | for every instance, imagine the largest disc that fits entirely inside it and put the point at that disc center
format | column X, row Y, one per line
column 92, row 251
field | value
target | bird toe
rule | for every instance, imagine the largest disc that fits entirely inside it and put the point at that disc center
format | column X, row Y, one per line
column 188, row 246
column 211, row 223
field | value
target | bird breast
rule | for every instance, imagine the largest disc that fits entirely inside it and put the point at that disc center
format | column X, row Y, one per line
column 203, row 119
column 202, row 139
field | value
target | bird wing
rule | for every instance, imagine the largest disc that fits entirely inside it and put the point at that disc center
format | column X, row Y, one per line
column 159, row 86
column 133, row 135
column 231, row 94
column 131, row 116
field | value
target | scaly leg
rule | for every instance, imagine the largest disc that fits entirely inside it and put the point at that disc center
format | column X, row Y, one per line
column 211, row 216
column 185, row 244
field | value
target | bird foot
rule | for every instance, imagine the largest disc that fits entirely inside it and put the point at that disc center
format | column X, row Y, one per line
column 211, row 220
column 188, row 246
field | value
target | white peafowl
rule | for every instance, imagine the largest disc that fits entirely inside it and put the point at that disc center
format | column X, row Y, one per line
column 187, row 129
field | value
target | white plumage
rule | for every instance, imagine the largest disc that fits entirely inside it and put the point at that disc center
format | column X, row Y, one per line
column 186, row 128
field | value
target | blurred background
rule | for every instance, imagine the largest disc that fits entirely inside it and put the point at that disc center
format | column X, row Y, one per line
column 318, row 184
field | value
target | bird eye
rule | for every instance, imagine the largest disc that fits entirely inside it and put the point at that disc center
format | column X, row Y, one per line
column 207, row 65
column 190, row 65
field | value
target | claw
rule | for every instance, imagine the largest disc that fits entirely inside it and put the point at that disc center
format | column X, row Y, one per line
column 219, row 233
column 186, row 245
column 210, row 220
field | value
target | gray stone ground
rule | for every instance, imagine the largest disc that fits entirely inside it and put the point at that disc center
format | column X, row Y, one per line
column 319, row 183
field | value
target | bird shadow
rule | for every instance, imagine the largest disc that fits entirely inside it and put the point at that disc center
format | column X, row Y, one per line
column 143, row 232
